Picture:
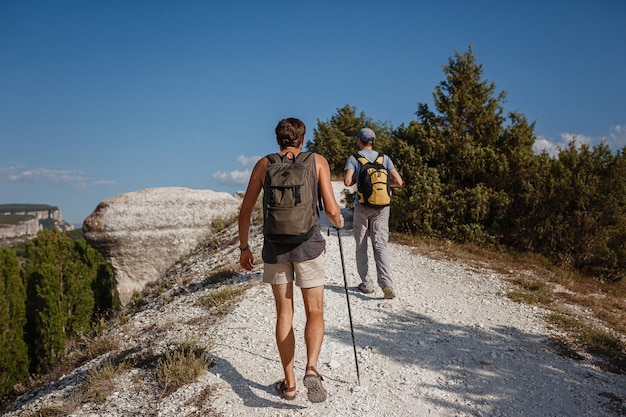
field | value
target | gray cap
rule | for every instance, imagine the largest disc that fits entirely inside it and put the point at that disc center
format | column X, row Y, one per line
column 366, row 135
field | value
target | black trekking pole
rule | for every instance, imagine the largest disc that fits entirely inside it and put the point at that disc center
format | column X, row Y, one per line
column 345, row 283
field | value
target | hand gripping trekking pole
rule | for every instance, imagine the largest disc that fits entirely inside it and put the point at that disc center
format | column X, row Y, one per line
column 345, row 284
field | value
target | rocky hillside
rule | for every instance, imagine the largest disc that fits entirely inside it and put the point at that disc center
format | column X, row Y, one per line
column 451, row 344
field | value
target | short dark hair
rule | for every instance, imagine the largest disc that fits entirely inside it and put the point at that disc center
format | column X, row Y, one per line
column 290, row 132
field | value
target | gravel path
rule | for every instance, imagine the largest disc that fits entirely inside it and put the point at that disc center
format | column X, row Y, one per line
column 450, row 344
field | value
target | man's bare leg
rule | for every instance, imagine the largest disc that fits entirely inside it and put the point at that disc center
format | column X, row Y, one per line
column 285, row 339
column 313, row 336
column 314, row 330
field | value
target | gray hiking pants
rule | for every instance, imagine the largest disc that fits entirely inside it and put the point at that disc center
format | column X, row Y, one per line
column 373, row 223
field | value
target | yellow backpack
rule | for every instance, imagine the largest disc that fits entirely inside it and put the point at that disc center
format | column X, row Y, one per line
column 373, row 182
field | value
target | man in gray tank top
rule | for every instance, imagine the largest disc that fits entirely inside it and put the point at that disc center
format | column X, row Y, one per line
column 285, row 264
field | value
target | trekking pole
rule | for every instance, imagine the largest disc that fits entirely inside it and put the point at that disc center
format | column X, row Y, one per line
column 345, row 284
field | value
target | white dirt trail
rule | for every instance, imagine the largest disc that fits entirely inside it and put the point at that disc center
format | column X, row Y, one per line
column 450, row 344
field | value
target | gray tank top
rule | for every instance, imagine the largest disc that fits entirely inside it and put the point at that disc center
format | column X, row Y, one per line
column 274, row 253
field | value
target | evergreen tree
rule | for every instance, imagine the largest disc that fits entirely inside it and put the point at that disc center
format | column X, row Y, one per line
column 420, row 206
column 466, row 157
column 78, row 279
column 13, row 350
column 335, row 139
column 62, row 274
column 46, row 317
column 5, row 331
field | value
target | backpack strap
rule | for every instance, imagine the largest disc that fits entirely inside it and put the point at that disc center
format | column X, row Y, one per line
column 363, row 160
column 359, row 157
column 303, row 156
column 274, row 158
column 280, row 157
column 320, row 205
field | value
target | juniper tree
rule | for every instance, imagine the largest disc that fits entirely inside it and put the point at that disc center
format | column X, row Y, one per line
column 60, row 297
column 13, row 350
column 335, row 138
column 5, row 331
column 47, row 313
column 575, row 213
column 464, row 151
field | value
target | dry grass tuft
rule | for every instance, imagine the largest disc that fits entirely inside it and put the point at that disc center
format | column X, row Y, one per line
column 100, row 382
column 223, row 274
column 181, row 366
column 221, row 300
column 220, row 223
column 66, row 408
column 50, row 411
column 531, row 291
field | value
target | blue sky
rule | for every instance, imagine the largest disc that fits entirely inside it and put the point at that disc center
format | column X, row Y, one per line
column 99, row 98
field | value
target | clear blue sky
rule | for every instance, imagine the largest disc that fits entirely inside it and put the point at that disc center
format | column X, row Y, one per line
column 99, row 98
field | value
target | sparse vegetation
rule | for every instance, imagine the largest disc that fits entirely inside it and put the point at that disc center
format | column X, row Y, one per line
column 100, row 382
column 12, row 208
column 50, row 411
column 182, row 365
column 583, row 336
column 14, row 219
column 223, row 274
column 137, row 302
column 531, row 291
column 221, row 300
column 220, row 223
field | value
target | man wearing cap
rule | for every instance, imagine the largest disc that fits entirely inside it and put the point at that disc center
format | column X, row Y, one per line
column 371, row 221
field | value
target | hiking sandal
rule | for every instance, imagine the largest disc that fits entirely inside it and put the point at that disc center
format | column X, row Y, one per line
column 313, row 384
column 286, row 391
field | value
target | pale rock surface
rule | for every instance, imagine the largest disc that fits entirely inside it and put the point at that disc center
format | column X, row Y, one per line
column 142, row 233
column 28, row 229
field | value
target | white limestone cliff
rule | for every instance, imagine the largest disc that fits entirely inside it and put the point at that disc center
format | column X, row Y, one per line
column 143, row 233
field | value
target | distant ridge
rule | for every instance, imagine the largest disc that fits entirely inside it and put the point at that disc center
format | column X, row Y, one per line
column 5, row 208
column 21, row 222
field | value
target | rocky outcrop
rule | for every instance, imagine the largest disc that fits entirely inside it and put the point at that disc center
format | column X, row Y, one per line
column 143, row 233
column 37, row 213
column 26, row 228
column 26, row 220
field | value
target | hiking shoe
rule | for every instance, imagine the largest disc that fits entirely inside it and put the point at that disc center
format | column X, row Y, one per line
column 389, row 294
column 364, row 289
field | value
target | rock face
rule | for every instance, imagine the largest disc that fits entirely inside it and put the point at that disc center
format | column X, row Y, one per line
column 143, row 233
column 32, row 219
column 27, row 228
